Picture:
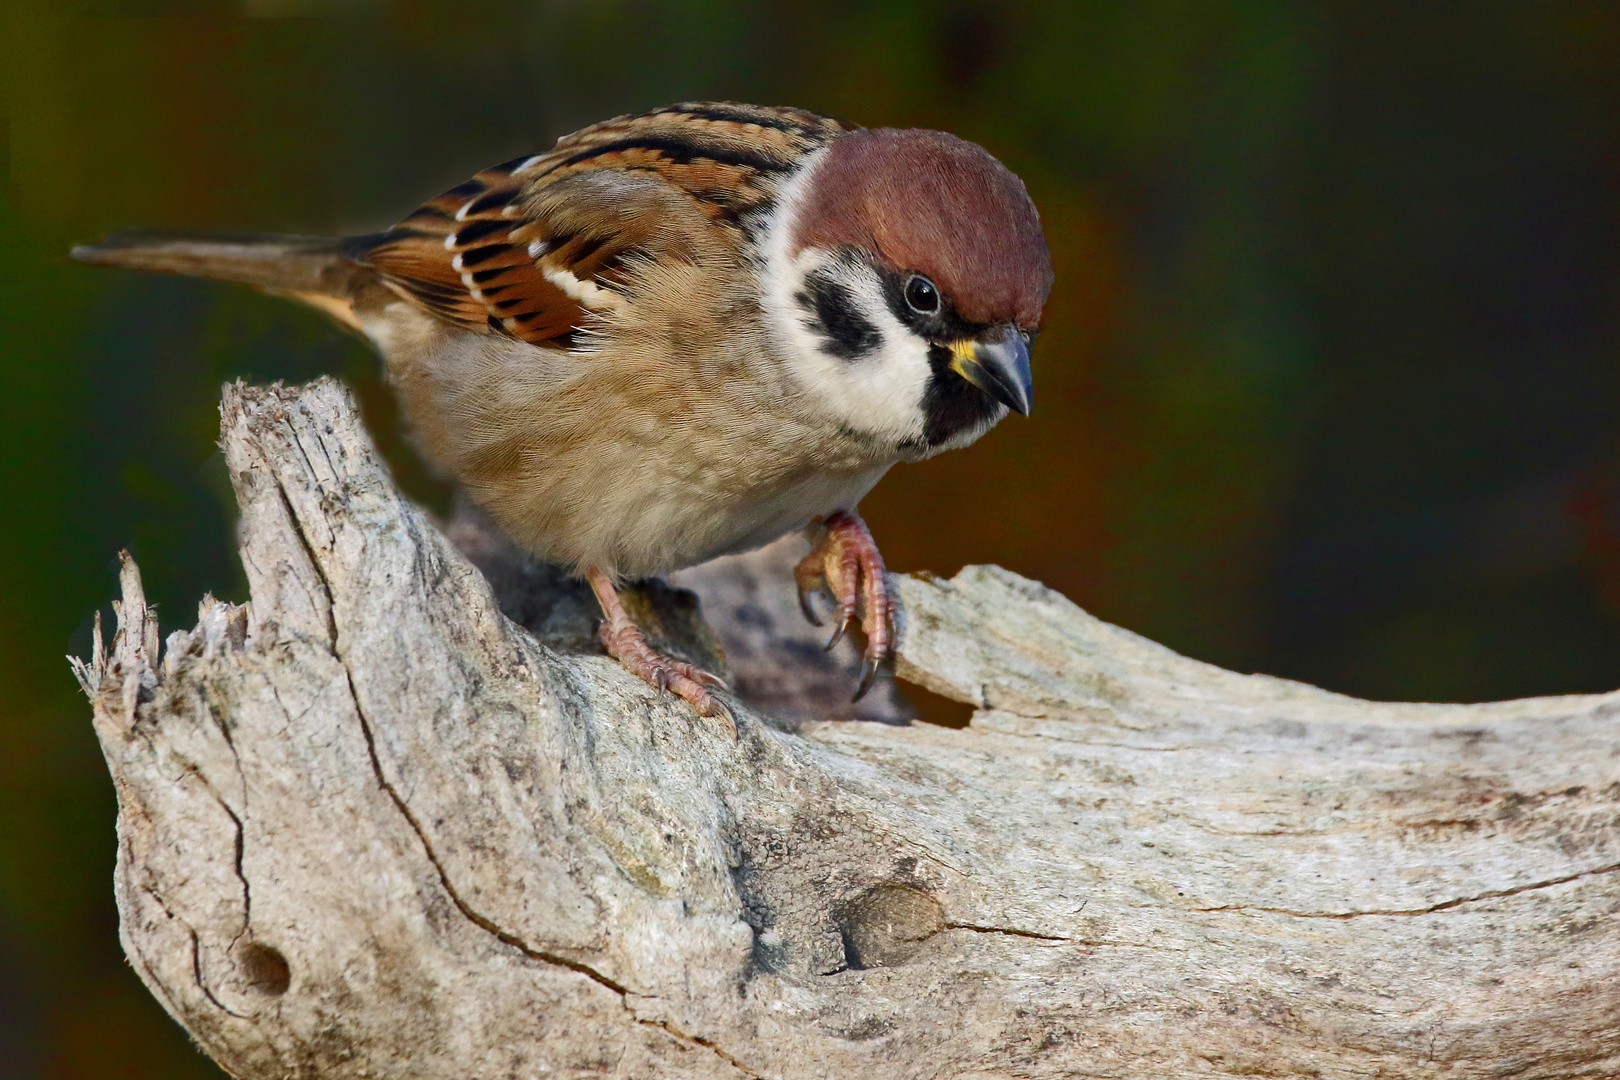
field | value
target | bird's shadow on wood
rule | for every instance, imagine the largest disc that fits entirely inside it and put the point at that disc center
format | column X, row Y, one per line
column 747, row 628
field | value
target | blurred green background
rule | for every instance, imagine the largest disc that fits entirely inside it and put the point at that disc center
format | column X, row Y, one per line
column 1330, row 386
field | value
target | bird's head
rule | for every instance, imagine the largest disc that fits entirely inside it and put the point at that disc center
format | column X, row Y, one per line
column 904, row 278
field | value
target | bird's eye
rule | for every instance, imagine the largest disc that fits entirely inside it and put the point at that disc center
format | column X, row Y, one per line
column 922, row 295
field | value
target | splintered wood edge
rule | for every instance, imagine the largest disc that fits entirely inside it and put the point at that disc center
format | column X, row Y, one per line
column 1257, row 819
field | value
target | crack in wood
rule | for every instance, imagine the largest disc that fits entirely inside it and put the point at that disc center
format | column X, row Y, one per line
column 1089, row 942
column 669, row 1028
column 1009, row 931
column 1444, row 905
column 381, row 982
column 478, row 919
column 196, row 955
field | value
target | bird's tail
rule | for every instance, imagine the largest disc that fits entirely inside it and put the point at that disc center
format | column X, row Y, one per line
column 312, row 269
column 290, row 263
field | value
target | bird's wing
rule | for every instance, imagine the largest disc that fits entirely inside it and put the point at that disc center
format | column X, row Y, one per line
column 532, row 247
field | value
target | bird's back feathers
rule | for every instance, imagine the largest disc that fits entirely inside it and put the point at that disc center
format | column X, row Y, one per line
column 532, row 247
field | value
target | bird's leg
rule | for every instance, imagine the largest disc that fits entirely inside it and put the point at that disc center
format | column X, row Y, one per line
column 844, row 563
column 626, row 643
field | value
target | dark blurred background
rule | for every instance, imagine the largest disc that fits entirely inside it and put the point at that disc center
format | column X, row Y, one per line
column 1330, row 386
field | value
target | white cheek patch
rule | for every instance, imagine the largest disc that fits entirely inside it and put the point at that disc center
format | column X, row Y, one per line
column 876, row 390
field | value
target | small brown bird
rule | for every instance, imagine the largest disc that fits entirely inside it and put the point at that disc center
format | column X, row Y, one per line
column 684, row 334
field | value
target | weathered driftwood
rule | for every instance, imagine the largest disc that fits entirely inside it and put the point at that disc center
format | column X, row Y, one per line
column 369, row 827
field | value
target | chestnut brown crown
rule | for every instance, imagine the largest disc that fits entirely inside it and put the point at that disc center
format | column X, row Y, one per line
column 931, row 203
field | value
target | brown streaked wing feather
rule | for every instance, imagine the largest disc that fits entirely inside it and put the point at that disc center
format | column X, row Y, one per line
column 531, row 247
column 463, row 255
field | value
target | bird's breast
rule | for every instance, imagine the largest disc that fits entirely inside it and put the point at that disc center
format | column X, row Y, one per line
column 638, row 460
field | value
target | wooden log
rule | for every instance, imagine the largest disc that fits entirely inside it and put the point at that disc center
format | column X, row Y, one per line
column 371, row 827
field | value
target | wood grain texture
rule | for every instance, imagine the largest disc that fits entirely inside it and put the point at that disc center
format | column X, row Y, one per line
column 370, row 827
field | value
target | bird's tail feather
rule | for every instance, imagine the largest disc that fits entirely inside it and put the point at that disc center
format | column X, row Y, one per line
column 292, row 264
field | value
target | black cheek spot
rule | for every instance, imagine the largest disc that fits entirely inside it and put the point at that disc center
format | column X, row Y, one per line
column 951, row 404
column 849, row 334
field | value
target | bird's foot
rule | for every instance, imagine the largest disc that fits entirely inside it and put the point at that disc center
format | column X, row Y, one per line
column 625, row 642
column 844, row 565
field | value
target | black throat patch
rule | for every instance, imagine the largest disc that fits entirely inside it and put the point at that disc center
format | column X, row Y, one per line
column 951, row 404
column 833, row 315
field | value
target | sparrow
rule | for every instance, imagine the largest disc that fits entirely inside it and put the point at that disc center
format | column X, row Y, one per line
column 683, row 334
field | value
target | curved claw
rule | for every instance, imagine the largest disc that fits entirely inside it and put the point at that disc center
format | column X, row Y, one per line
column 808, row 608
column 624, row 641
column 722, row 711
column 869, row 670
column 845, row 566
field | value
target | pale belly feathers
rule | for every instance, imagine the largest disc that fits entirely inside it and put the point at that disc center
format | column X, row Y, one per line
column 633, row 465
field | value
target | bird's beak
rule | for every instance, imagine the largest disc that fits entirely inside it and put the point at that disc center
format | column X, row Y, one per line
column 999, row 368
